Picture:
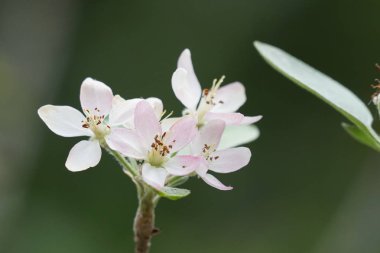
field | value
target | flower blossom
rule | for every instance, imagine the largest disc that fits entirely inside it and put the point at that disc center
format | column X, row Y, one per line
column 209, row 104
column 103, row 112
column 205, row 145
column 157, row 148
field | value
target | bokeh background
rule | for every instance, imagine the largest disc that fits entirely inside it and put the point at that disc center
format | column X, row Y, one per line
column 309, row 188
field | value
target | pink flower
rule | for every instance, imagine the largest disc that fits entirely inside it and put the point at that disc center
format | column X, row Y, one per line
column 205, row 145
column 102, row 113
column 214, row 103
column 156, row 148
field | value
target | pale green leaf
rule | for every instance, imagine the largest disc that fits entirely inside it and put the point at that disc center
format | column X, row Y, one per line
column 173, row 193
column 327, row 89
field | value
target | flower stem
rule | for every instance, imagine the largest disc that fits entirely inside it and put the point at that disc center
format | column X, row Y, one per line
column 130, row 170
column 144, row 221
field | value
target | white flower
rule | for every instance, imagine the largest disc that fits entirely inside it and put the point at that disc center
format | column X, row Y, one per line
column 214, row 103
column 103, row 113
column 205, row 145
column 155, row 147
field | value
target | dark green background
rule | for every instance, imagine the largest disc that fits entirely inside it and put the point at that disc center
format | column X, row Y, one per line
column 309, row 186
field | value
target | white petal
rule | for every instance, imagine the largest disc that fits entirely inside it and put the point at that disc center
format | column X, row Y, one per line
column 229, row 98
column 214, row 182
column 209, row 134
column 188, row 92
column 185, row 62
column 154, row 176
column 63, row 120
column 83, row 155
column 248, row 120
column 181, row 133
column 233, row 118
column 96, row 97
column 182, row 165
column 157, row 106
column 237, row 135
column 230, row 160
column 146, row 123
column 122, row 112
column 126, row 142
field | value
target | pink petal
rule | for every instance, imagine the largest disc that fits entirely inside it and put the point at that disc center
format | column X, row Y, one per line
column 146, row 123
column 209, row 134
column 167, row 123
column 229, row 98
column 182, row 165
column 83, row 155
column 214, row 182
column 229, row 118
column 203, row 167
column 181, row 133
column 154, row 176
column 63, row 120
column 188, row 92
column 122, row 112
column 126, row 142
column 230, row 160
column 96, row 97
column 248, row 120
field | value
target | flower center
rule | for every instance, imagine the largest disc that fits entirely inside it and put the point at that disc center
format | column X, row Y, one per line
column 96, row 123
column 160, row 150
column 209, row 100
column 207, row 152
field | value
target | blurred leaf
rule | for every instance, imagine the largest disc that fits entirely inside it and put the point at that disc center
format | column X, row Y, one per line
column 327, row 89
column 173, row 193
column 238, row 135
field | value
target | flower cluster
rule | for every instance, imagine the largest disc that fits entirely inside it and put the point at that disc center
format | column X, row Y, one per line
column 158, row 148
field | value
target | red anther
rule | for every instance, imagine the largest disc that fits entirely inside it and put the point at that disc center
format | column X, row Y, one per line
column 85, row 125
column 216, row 157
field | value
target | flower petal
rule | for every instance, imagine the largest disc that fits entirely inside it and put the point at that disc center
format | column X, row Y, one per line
column 214, row 182
column 182, row 165
column 122, row 112
column 229, row 98
column 209, row 134
column 157, row 106
column 230, row 160
column 181, row 133
column 154, row 176
column 83, row 155
column 185, row 62
column 188, row 92
column 248, row 120
column 64, row 120
column 96, row 97
column 126, row 142
column 234, row 136
column 167, row 123
column 146, row 123
column 234, row 118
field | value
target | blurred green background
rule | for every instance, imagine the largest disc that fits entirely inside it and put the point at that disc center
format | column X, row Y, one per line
column 309, row 187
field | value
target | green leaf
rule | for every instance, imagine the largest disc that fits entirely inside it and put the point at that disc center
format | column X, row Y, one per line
column 234, row 136
column 177, row 180
column 325, row 88
column 173, row 193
